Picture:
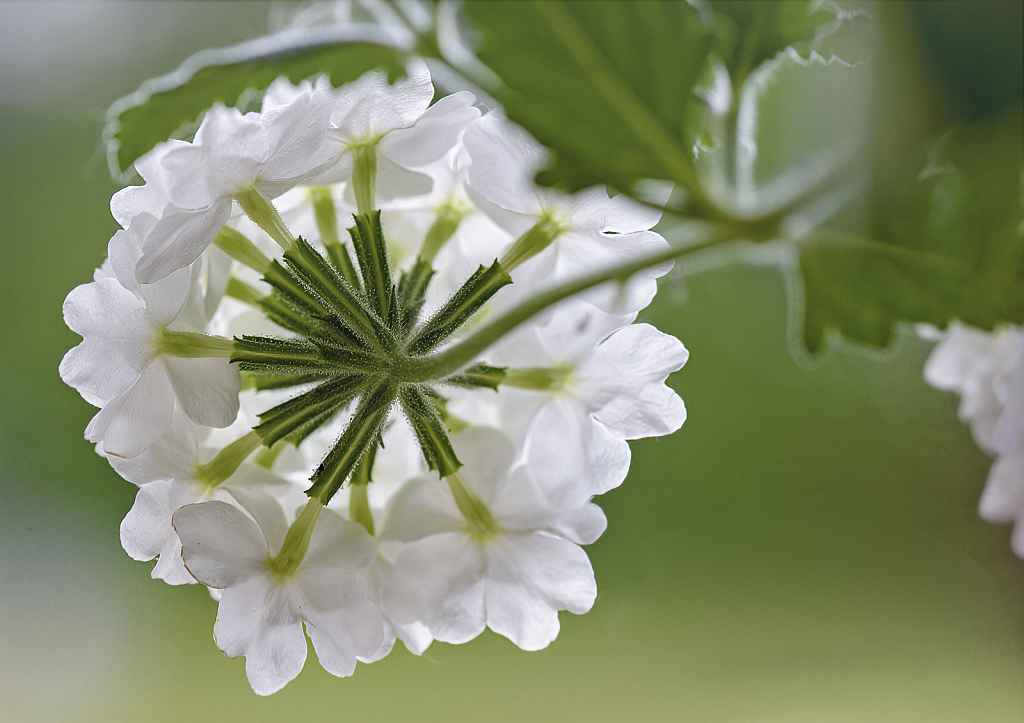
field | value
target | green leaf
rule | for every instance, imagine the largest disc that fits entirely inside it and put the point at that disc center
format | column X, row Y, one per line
column 153, row 113
column 604, row 85
column 609, row 86
column 752, row 32
column 951, row 246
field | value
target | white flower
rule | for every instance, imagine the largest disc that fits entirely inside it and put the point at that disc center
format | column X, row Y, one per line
column 231, row 155
column 119, row 366
column 400, row 123
column 590, row 230
column 262, row 611
column 607, row 385
column 171, row 474
column 967, row 361
column 514, row 579
column 987, row 369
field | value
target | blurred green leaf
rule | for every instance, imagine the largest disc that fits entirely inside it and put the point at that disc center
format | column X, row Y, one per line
column 136, row 123
column 753, row 32
column 950, row 246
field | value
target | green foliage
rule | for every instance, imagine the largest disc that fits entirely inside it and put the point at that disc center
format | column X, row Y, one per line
column 160, row 107
column 605, row 86
column 950, row 245
column 750, row 33
column 618, row 92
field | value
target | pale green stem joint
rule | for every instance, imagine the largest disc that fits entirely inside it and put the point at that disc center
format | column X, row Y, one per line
column 220, row 468
column 247, row 294
column 267, row 456
column 364, row 176
column 481, row 523
column 537, row 378
column 359, row 506
column 241, row 249
column 262, row 212
column 296, row 541
column 325, row 213
column 449, row 216
column 193, row 345
column 541, row 235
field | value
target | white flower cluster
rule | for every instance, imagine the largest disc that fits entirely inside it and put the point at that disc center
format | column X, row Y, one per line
column 237, row 352
column 987, row 369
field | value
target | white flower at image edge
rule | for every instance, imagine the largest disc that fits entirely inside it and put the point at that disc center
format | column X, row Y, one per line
column 987, row 369
column 261, row 612
column 119, row 368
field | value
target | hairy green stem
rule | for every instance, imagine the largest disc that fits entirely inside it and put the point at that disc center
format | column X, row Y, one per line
column 228, row 460
column 241, row 249
column 262, row 212
column 193, row 345
column 455, row 357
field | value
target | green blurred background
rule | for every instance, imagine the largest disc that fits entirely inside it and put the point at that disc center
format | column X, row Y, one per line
column 806, row 548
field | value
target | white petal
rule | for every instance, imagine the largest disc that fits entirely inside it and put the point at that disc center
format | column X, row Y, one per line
column 339, row 543
column 107, row 309
column 1003, row 498
column 101, row 369
column 505, row 160
column 173, row 456
column 636, row 361
column 342, row 623
column 296, row 133
column 423, row 507
column 370, row 107
column 130, row 423
column 487, row 455
column 220, row 545
column 434, row 133
column 394, row 181
column 258, row 619
column 439, row 581
column 574, row 457
column 530, row 577
column 131, row 201
column 178, row 239
column 207, row 389
column 266, row 510
column 224, row 158
column 146, row 530
column 521, row 507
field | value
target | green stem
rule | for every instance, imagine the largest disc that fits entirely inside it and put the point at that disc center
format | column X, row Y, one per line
column 479, row 518
column 241, row 249
column 268, row 455
column 359, row 507
column 247, row 294
column 541, row 235
column 326, row 214
column 193, row 345
column 263, row 214
column 537, row 378
column 221, row 467
column 449, row 361
column 364, row 176
column 449, row 216
column 296, row 541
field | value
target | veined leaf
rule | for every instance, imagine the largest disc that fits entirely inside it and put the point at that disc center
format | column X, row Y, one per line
column 951, row 246
column 153, row 113
column 607, row 86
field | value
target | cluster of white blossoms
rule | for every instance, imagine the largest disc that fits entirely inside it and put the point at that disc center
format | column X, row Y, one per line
column 250, row 362
column 987, row 369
